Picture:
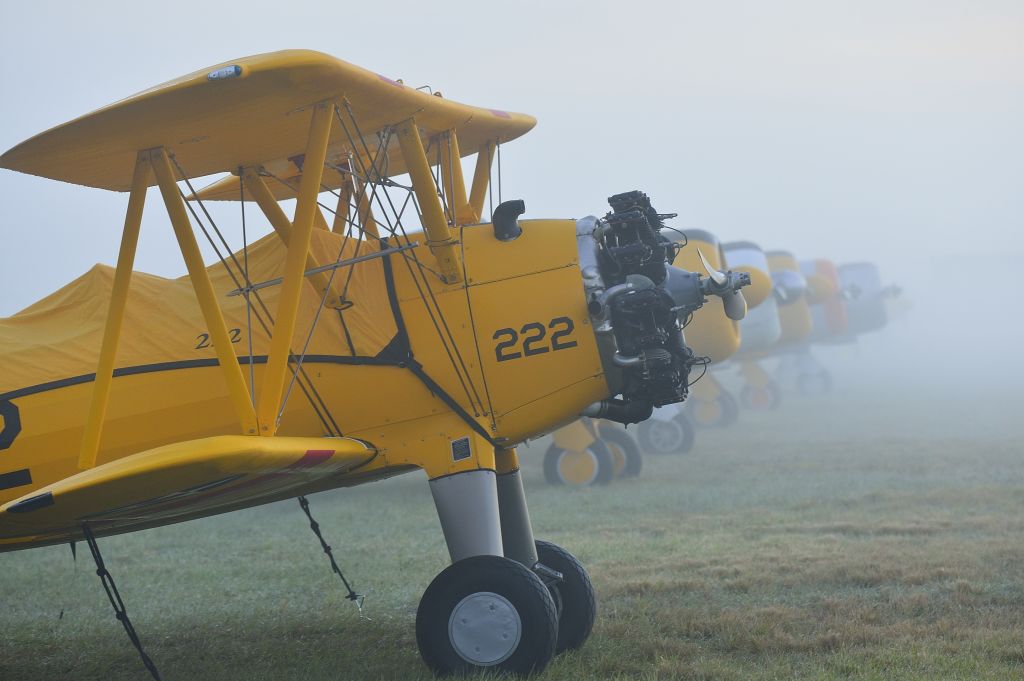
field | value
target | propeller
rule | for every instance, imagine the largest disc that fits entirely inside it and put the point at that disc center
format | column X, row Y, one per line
column 732, row 298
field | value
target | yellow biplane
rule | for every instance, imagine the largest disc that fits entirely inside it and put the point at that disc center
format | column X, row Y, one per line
column 405, row 331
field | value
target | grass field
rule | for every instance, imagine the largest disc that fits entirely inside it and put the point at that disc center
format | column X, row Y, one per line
column 850, row 538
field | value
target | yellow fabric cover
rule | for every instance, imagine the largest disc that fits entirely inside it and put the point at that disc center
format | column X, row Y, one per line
column 60, row 336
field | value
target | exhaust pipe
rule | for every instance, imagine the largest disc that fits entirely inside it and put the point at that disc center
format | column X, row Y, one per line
column 506, row 220
column 620, row 411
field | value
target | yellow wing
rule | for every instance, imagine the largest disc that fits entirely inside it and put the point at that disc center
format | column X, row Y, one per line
column 240, row 113
column 176, row 482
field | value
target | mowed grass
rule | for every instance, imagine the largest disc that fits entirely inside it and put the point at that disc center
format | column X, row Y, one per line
column 833, row 539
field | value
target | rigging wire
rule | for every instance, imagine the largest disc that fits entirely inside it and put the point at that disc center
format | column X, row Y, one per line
column 461, row 371
column 326, row 418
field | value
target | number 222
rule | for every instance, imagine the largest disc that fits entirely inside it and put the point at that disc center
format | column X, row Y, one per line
column 533, row 336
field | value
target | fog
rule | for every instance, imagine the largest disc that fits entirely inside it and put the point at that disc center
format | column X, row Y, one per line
column 884, row 131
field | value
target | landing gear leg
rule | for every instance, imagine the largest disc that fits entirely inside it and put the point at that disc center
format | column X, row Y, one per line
column 484, row 611
column 516, row 529
column 564, row 576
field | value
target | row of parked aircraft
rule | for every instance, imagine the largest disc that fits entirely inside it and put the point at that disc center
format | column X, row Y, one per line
column 397, row 321
column 793, row 306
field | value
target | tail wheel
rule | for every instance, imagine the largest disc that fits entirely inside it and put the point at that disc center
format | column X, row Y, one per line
column 486, row 613
column 675, row 436
column 591, row 466
column 761, row 398
column 574, row 596
column 818, row 383
column 626, row 454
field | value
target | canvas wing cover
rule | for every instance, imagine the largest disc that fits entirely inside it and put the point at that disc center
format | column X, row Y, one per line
column 58, row 338
column 176, row 482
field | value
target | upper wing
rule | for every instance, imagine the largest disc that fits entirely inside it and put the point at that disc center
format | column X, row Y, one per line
column 215, row 124
column 175, row 482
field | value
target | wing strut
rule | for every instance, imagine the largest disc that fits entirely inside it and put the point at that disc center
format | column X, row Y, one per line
column 237, row 390
column 298, row 248
column 451, row 176
column 283, row 226
column 439, row 237
column 481, row 178
column 115, row 312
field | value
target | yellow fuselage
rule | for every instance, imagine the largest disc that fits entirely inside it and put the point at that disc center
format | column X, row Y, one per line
column 507, row 354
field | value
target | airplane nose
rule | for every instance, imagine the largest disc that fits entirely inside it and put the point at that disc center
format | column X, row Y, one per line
column 688, row 289
column 639, row 302
column 789, row 286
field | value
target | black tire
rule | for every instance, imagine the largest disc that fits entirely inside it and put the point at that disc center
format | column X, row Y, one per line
column 518, row 589
column 602, row 459
column 676, row 436
column 627, row 445
column 574, row 596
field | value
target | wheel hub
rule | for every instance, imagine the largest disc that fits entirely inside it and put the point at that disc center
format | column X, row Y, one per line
column 484, row 629
column 578, row 468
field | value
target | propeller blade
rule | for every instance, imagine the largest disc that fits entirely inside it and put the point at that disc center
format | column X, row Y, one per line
column 715, row 275
column 735, row 306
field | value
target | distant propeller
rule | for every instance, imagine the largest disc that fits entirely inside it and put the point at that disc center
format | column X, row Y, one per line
column 732, row 298
column 789, row 286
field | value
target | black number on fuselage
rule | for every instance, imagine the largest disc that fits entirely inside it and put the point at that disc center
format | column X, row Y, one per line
column 500, row 348
column 530, row 342
column 566, row 329
column 533, row 334
column 203, row 339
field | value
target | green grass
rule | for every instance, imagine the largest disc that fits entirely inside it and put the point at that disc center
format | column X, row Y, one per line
column 830, row 540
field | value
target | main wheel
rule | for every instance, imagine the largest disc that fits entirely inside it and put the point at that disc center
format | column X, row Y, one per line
column 574, row 596
column 486, row 613
column 761, row 398
column 592, row 466
column 626, row 456
column 675, row 436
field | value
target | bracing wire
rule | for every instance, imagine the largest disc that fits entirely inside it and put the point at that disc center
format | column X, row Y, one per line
column 310, row 391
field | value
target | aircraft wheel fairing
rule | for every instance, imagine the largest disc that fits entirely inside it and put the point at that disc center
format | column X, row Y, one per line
column 574, row 596
column 675, row 436
column 592, row 466
column 722, row 412
column 761, row 398
column 628, row 461
column 486, row 613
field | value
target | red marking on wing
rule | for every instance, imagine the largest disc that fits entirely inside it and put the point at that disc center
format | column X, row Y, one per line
column 501, row 114
column 312, row 457
column 392, row 82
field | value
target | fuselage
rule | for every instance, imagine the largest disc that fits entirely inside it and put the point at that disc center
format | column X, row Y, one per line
column 409, row 364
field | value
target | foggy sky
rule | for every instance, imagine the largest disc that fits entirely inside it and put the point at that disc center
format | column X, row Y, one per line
column 888, row 131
